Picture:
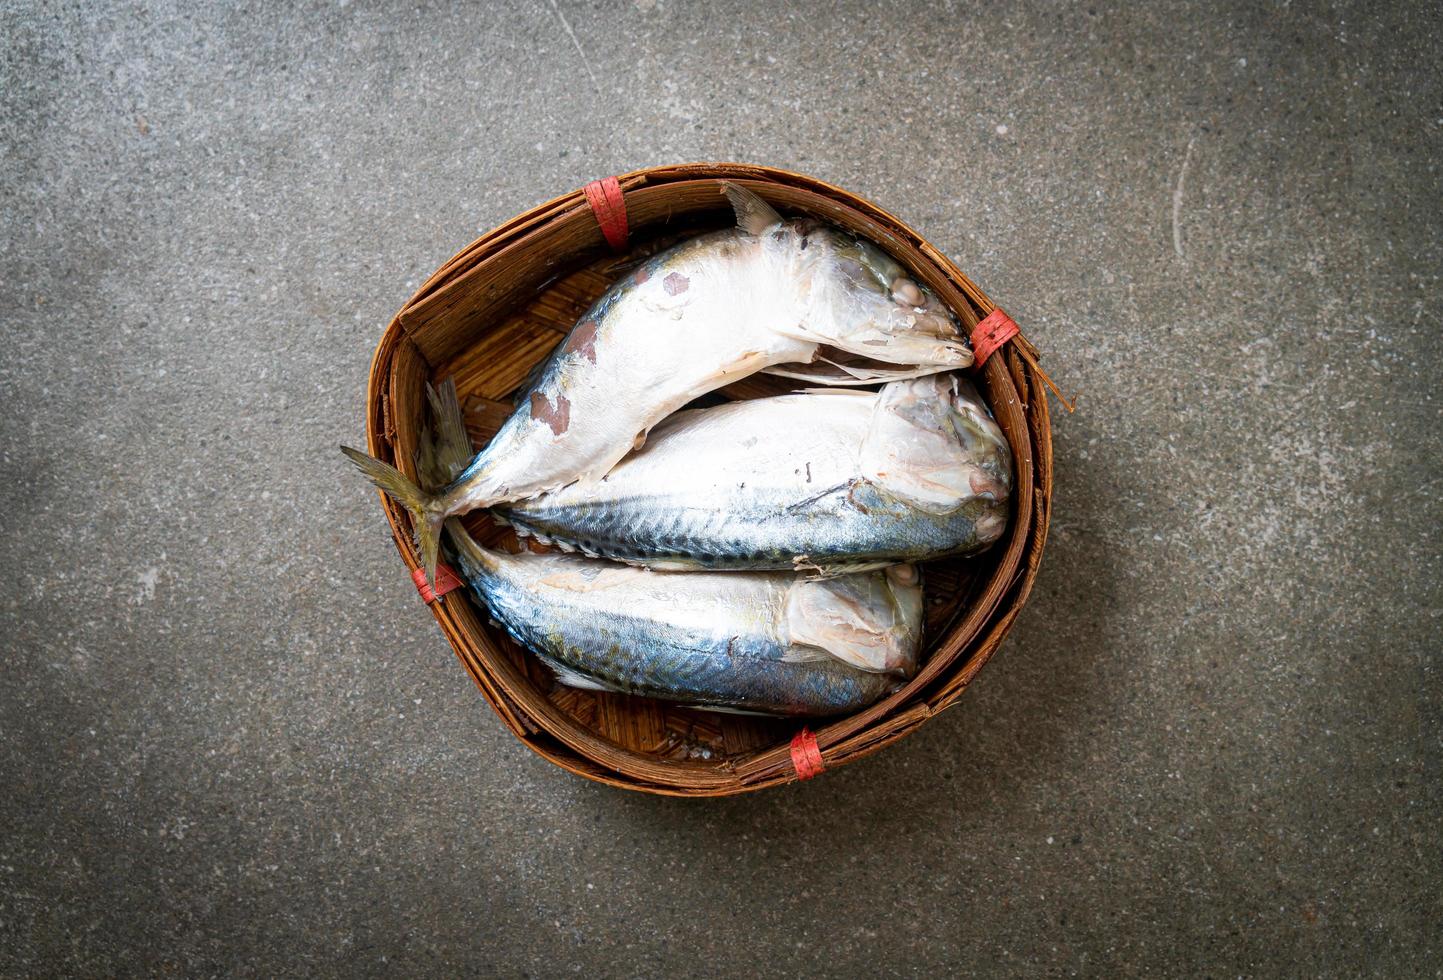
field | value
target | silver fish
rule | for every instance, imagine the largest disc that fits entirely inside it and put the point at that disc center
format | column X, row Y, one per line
column 833, row 479
column 768, row 294
column 769, row 642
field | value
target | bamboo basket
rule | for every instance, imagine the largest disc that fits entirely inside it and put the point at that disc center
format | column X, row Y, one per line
column 498, row 307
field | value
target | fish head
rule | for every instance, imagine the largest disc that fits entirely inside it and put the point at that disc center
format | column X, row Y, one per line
column 864, row 302
column 871, row 621
column 933, row 444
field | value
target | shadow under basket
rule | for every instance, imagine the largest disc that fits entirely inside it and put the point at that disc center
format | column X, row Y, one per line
column 496, row 309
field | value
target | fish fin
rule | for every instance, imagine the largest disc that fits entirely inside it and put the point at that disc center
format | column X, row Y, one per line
column 430, row 472
column 523, row 530
column 813, row 572
column 570, row 677
column 452, row 444
column 665, row 564
column 823, row 371
column 819, row 572
column 748, row 363
column 426, row 513
column 801, row 653
column 724, row 710
column 832, row 392
column 754, row 215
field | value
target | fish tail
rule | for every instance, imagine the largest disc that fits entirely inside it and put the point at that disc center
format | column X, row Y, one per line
column 453, row 445
column 469, row 553
column 427, row 512
column 466, row 546
column 445, row 449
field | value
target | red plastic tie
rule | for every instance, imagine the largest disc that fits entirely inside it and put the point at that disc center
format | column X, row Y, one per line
column 806, row 756
column 996, row 329
column 446, row 581
column 606, row 201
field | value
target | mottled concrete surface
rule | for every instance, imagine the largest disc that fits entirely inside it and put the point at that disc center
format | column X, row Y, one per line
column 232, row 741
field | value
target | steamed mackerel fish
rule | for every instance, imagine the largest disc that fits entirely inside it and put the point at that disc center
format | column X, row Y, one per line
column 768, row 642
column 799, row 297
column 833, row 480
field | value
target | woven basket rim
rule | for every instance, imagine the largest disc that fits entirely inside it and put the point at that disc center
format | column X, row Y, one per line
column 1013, row 370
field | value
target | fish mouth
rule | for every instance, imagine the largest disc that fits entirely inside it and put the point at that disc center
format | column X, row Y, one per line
column 922, row 335
column 930, row 446
column 926, row 334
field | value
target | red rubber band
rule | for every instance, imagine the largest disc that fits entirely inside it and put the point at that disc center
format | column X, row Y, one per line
column 606, row 201
column 996, row 329
column 446, row 581
column 806, row 756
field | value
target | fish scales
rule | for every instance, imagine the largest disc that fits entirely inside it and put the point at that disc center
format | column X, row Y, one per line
column 827, row 479
column 768, row 642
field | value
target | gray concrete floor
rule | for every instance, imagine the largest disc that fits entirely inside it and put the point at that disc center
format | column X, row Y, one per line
column 231, row 739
